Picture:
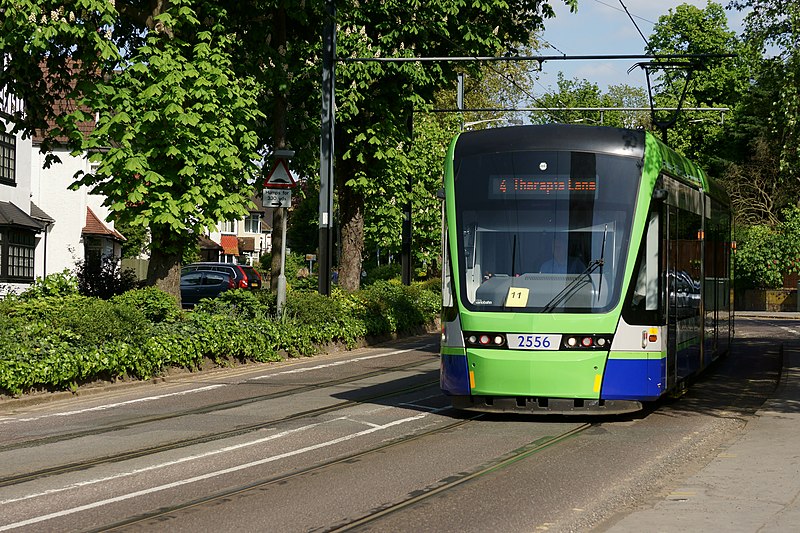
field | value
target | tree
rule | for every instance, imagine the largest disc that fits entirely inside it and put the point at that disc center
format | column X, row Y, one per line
column 181, row 122
column 52, row 53
column 175, row 138
column 775, row 24
column 577, row 93
column 376, row 100
column 711, row 82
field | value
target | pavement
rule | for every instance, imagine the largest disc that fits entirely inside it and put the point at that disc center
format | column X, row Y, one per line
column 753, row 484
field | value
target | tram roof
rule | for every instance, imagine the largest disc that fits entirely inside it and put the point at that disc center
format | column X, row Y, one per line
column 560, row 137
column 583, row 138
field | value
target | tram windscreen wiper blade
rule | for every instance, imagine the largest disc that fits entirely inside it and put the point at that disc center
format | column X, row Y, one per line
column 602, row 261
column 572, row 286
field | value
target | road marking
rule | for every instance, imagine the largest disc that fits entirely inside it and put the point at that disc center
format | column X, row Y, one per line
column 6, row 420
column 337, row 363
column 203, row 455
column 112, row 405
column 210, row 475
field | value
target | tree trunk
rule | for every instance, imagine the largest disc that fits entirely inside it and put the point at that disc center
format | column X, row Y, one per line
column 351, row 212
column 164, row 269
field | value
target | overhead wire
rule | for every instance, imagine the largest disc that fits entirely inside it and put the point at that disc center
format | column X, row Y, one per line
column 503, row 75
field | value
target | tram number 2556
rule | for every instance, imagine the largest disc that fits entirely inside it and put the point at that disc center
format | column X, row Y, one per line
column 517, row 341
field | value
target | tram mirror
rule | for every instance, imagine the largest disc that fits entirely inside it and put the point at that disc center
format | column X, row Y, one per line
column 659, row 195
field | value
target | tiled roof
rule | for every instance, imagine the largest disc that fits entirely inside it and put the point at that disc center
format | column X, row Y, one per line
column 230, row 244
column 38, row 214
column 11, row 215
column 247, row 244
column 207, row 244
column 63, row 106
column 95, row 226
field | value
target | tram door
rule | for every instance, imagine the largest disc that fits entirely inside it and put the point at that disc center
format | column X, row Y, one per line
column 683, row 286
column 717, row 301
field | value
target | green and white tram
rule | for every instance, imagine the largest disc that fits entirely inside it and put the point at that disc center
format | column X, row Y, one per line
column 586, row 269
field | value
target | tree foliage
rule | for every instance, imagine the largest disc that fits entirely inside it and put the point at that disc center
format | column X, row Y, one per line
column 707, row 82
column 189, row 91
column 53, row 52
column 576, row 93
column 175, row 138
column 376, row 101
column 773, row 27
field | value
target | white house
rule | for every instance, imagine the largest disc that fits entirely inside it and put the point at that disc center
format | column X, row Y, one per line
column 79, row 229
column 243, row 241
column 19, row 232
column 44, row 226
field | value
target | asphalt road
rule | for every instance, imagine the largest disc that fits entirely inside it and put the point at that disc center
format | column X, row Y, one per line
column 361, row 440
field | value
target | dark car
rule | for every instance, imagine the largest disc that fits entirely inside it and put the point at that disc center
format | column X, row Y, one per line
column 245, row 276
column 199, row 284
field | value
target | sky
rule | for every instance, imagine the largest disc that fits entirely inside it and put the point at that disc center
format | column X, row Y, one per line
column 601, row 27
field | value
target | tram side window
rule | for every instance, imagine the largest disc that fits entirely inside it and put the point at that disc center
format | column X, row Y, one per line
column 644, row 299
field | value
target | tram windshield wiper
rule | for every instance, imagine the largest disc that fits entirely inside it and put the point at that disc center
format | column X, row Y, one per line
column 567, row 292
column 572, row 286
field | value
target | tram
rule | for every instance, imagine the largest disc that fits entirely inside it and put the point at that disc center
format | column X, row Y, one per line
column 585, row 270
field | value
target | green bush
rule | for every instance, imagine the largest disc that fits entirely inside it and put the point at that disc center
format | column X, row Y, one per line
column 382, row 273
column 155, row 304
column 239, row 302
column 104, row 277
column 59, row 342
column 59, row 284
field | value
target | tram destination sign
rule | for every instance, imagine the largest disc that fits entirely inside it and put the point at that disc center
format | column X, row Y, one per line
column 536, row 186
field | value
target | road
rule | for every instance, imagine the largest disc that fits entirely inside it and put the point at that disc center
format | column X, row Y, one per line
column 360, row 440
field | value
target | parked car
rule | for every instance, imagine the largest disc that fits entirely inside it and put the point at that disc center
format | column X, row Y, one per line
column 199, row 284
column 245, row 276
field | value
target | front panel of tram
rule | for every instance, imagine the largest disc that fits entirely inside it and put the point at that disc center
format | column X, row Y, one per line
column 541, row 242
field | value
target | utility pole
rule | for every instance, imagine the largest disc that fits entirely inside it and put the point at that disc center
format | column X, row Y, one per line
column 279, row 214
column 405, row 256
column 327, row 149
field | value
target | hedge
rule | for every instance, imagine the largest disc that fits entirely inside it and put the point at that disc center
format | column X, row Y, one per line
column 60, row 342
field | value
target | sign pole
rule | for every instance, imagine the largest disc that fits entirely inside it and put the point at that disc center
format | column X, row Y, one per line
column 278, row 193
column 281, row 299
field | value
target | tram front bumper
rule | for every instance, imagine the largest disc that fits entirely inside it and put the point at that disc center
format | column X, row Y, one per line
column 548, row 406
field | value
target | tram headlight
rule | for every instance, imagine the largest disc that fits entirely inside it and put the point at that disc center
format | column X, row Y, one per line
column 485, row 340
column 587, row 342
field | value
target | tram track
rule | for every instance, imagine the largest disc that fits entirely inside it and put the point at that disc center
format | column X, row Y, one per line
column 210, row 437
column 211, row 408
column 446, row 484
column 452, row 482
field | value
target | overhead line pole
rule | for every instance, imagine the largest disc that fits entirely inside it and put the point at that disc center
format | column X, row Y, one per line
column 326, row 149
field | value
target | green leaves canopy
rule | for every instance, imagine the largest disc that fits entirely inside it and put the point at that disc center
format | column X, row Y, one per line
column 175, row 140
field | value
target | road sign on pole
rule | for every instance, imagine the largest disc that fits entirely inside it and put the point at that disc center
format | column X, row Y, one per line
column 277, row 198
column 278, row 193
column 279, row 176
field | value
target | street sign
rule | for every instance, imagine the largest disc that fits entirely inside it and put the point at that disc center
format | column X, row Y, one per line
column 277, row 198
column 279, row 176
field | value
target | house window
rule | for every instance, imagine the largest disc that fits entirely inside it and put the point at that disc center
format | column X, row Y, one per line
column 16, row 254
column 252, row 224
column 8, row 156
column 228, row 227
